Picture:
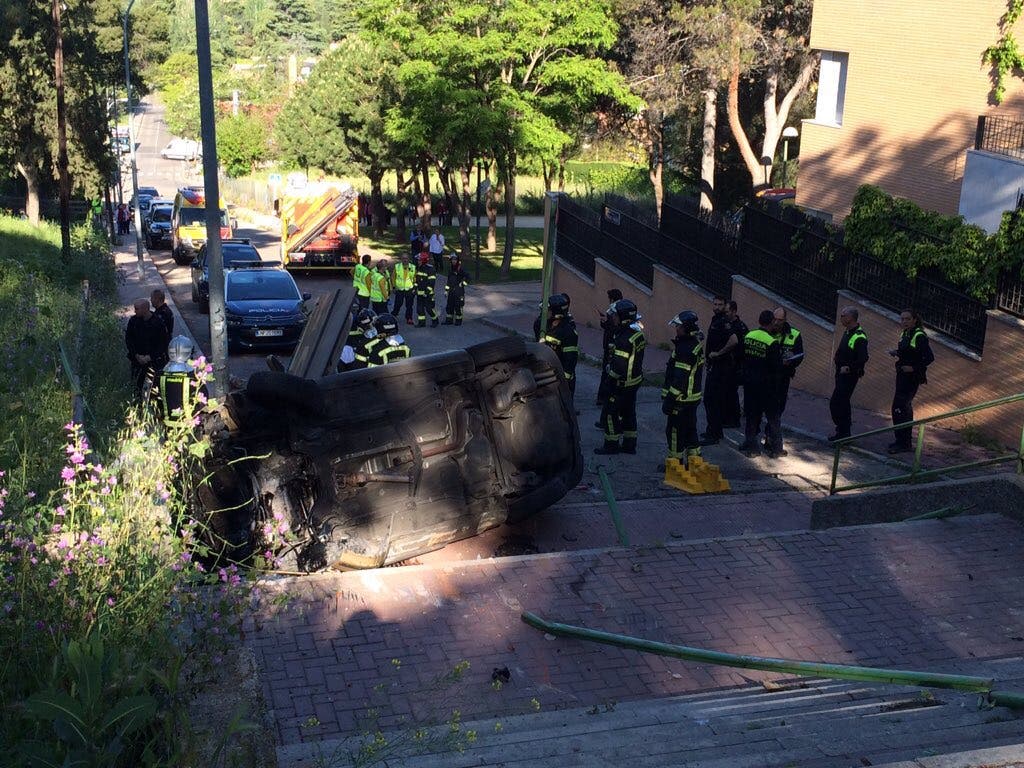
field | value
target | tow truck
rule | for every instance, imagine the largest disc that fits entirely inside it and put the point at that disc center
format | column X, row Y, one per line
column 320, row 227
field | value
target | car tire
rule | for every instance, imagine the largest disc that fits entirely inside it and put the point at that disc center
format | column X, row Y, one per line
column 195, row 295
column 496, row 350
column 204, row 306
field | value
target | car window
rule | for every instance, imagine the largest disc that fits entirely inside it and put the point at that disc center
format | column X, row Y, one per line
column 152, row 191
column 162, row 214
column 191, row 216
column 234, row 254
column 261, row 285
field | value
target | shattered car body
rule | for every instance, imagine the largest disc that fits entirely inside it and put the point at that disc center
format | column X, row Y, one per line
column 372, row 467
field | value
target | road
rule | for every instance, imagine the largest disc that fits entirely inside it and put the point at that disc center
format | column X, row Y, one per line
column 167, row 175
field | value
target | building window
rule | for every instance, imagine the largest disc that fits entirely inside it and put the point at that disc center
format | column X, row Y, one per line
column 831, row 88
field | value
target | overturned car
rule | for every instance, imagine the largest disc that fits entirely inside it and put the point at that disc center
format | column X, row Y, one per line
column 372, row 467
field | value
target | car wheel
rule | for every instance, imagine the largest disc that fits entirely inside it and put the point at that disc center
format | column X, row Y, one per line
column 490, row 352
column 204, row 306
column 195, row 295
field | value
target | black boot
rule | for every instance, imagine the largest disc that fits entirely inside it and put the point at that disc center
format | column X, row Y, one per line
column 607, row 449
column 628, row 445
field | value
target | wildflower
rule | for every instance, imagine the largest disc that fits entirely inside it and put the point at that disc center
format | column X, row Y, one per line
column 30, row 494
column 110, row 602
column 60, row 512
column 67, row 474
column 77, row 458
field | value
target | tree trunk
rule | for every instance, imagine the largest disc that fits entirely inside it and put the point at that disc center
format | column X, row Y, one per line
column 491, row 206
column 707, row 148
column 510, row 214
column 548, row 169
column 30, row 173
column 377, row 201
column 561, row 173
column 109, row 210
column 400, row 184
column 425, row 202
column 656, row 157
column 464, row 208
column 63, row 176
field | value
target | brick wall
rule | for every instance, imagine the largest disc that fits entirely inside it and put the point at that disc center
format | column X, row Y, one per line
column 914, row 90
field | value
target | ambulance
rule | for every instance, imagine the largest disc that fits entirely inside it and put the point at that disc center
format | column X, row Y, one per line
column 188, row 223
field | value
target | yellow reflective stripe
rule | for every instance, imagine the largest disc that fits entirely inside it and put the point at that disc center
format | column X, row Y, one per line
column 570, row 349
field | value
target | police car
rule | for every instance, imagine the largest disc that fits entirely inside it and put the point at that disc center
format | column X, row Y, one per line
column 263, row 306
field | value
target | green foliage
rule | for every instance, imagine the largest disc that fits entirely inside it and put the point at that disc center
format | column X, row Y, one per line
column 241, row 143
column 1005, row 56
column 900, row 233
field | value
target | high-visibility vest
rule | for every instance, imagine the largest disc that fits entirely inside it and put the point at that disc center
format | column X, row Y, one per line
column 359, row 275
column 405, row 276
column 378, row 286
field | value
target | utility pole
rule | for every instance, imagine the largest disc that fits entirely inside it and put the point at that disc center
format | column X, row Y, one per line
column 211, row 187
column 64, row 181
column 131, row 136
column 479, row 170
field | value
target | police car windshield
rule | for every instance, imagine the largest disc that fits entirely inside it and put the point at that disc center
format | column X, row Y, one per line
column 261, row 285
column 192, row 216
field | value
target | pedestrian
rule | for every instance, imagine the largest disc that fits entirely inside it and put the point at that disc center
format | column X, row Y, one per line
column 426, row 284
column 561, row 336
column 762, row 374
column 681, row 395
column 625, row 373
column 361, row 281
column 403, row 280
column 436, row 247
column 416, row 241
column 162, row 311
column 388, row 345
column 792, row 345
column 913, row 355
column 379, row 287
column 363, row 331
column 850, row 358
column 731, row 417
column 720, row 386
column 607, row 332
column 455, row 293
column 144, row 338
column 122, row 219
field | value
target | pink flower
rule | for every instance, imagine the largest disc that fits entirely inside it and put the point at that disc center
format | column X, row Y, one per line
column 110, row 602
column 77, row 458
column 67, row 474
column 30, row 494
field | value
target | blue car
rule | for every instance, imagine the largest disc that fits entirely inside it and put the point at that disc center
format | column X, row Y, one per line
column 263, row 308
column 237, row 251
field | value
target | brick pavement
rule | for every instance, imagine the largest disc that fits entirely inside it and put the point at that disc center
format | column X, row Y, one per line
column 920, row 595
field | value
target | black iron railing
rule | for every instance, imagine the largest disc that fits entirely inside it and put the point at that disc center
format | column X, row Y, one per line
column 1000, row 135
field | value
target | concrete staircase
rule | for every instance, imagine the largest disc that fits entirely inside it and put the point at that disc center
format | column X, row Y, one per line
column 792, row 724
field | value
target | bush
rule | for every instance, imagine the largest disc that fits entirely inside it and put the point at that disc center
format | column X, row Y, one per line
column 241, row 143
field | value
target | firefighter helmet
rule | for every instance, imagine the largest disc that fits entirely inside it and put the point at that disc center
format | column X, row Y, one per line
column 365, row 318
column 179, row 350
column 558, row 305
column 687, row 320
column 387, row 325
column 625, row 310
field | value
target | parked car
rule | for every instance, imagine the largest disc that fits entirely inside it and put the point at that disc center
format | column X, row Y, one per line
column 237, row 252
column 157, row 225
column 182, row 149
column 372, row 467
column 263, row 307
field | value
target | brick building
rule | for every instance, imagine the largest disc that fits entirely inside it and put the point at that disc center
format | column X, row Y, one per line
column 900, row 92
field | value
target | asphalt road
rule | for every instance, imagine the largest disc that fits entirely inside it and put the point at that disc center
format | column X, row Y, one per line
column 167, row 175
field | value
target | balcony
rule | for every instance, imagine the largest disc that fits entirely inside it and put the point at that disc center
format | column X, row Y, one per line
column 1000, row 135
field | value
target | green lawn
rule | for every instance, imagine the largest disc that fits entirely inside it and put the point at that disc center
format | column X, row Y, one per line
column 526, row 258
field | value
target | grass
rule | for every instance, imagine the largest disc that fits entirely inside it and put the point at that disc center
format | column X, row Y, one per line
column 527, row 255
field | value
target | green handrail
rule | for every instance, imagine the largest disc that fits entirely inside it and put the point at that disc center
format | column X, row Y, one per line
column 613, row 507
column 968, row 683
column 915, row 469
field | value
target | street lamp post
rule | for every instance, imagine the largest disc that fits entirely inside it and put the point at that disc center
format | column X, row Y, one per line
column 131, row 136
column 789, row 132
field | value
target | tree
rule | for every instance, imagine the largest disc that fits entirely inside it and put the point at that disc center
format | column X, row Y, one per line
column 241, row 143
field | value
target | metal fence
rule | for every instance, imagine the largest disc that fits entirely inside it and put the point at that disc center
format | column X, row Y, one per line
column 1000, row 135
column 629, row 238
column 1010, row 295
column 578, row 241
column 699, row 244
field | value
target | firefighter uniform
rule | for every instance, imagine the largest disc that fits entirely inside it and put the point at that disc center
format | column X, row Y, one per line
column 792, row 345
column 388, row 345
column 426, row 284
column 913, row 351
column 563, row 338
column 684, row 378
column 762, row 377
column 361, row 282
column 176, row 389
column 852, row 354
column 625, row 373
column 404, row 281
column 455, row 293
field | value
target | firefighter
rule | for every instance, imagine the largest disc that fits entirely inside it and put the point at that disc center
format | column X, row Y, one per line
column 361, row 281
column 353, row 354
column 792, row 346
column 388, row 345
column 762, row 377
column 684, row 378
column 562, row 337
column 455, row 293
column 176, row 388
column 536, row 323
column 607, row 332
column 913, row 355
column 850, row 358
column 426, row 284
column 625, row 372
column 404, row 281
column 379, row 287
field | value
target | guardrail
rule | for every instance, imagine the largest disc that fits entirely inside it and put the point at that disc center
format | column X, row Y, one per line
column 916, row 473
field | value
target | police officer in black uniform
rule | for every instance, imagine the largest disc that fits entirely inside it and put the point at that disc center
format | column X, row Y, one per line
column 562, row 337
column 681, row 395
column 455, row 292
column 625, row 373
column 762, row 377
column 720, row 348
column 792, row 343
column 850, row 358
column 913, row 356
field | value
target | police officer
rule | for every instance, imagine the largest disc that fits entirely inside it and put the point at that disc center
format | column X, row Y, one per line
column 353, row 354
column 720, row 350
column 562, row 337
column 455, row 293
column 404, row 281
column 388, row 345
column 913, row 356
column 625, row 372
column 731, row 407
column 361, row 281
column 176, row 386
column 762, row 376
column 684, row 377
column 146, row 340
column 426, row 284
column 850, row 358
column 379, row 287
column 792, row 344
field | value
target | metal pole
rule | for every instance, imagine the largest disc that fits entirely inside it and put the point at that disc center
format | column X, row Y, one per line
column 211, row 187
column 479, row 173
column 606, row 485
column 131, row 136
